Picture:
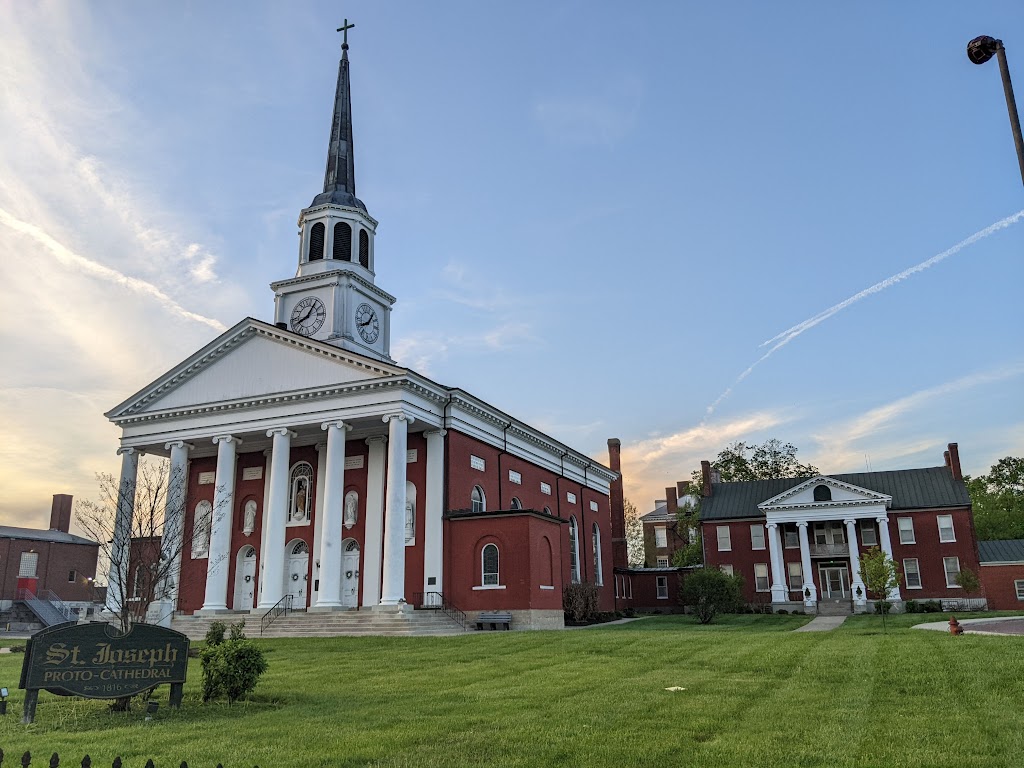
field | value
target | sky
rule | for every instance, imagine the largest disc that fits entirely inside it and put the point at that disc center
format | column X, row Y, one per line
column 678, row 224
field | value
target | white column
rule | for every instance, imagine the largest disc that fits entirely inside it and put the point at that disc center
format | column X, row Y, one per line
column 373, row 536
column 855, row 579
column 318, row 521
column 166, row 597
column 805, row 560
column 433, row 530
column 219, row 557
column 264, row 518
column 883, row 536
column 779, row 591
column 275, row 519
column 117, row 576
column 329, row 595
column 393, row 584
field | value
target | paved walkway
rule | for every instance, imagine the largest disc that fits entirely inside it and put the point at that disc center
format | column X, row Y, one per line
column 822, row 624
column 1001, row 625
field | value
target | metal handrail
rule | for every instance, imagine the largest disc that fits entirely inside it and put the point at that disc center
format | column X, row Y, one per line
column 54, row 599
column 436, row 601
column 281, row 608
column 46, row 611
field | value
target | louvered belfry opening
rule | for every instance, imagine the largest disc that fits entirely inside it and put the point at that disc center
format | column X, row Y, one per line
column 364, row 248
column 822, row 493
column 316, row 242
column 342, row 241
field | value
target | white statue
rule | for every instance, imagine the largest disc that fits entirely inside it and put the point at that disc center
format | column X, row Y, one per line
column 410, row 521
column 351, row 508
column 201, row 526
column 249, row 517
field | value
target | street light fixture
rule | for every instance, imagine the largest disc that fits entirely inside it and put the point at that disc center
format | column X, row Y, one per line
column 982, row 49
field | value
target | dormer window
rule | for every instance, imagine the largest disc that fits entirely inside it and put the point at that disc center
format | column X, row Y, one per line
column 822, row 493
column 316, row 242
column 342, row 241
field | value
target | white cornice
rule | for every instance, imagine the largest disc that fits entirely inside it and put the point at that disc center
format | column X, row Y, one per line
column 327, row 278
column 305, row 212
column 871, row 497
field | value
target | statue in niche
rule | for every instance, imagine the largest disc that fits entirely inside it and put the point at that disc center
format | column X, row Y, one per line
column 201, row 527
column 249, row 517
column 301, row 490
column 351, row 508
column 410, row 521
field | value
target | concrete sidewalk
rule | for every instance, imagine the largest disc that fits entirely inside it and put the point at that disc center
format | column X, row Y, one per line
column 822, row 624
column 997, row 625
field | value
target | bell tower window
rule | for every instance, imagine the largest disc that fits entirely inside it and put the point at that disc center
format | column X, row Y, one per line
column 316, row 242
column 342, row 241
column 364, row 248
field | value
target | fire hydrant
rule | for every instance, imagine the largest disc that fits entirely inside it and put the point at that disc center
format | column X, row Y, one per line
column 954, row 626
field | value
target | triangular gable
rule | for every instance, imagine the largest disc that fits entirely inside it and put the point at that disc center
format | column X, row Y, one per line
column 843, row 495
column 252, row 359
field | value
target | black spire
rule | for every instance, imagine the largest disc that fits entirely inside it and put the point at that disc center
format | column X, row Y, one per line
column 340, row 176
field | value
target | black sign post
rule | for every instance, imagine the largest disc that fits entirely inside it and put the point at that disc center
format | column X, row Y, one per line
column 96, row 661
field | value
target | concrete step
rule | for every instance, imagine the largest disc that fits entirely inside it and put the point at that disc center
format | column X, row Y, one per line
column 341, row 624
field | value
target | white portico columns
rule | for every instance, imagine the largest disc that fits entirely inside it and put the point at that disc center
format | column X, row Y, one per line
column 370, row 575
column 779, row 591
column 393, row 584
column 805, row 562
column 329, row 595
column 275, row 516
column 220, row 534
column 433, row 528
column 117, row 576
column 883, row 537
column 855, row 579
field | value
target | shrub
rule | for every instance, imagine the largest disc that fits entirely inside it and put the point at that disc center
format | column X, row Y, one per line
column 237, row 630
column 911, row 606
column 215, row 634
column 783, row 611
column 579, row 601
column 709, row 592
column 882, row 606
column 232, row 668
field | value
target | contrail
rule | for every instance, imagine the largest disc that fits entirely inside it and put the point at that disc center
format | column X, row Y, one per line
column 780, row 340
column 81, row 263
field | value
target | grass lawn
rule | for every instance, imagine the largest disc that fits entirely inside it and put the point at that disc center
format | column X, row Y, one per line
column 755, row 694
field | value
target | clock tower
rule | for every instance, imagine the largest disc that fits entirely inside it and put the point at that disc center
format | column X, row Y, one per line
column 333, row 297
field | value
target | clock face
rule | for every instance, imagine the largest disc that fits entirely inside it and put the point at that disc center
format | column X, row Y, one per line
column 308, row 315
column 367, row 323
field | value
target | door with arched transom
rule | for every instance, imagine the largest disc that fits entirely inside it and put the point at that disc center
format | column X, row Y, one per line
column 245, row 579
column 350, row 573
column 297, row 574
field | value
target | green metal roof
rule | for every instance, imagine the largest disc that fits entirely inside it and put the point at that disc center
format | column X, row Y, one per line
column 909, row 488
column 1009, row 551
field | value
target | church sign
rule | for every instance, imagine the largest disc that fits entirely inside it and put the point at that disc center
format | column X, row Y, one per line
column 96, row 661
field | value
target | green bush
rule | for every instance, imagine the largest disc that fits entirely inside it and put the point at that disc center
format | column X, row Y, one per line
column 237, row 631
column 232, row 667
column 931, row 606
column 215, row 634
column 882, row 606
column 579, row 601
column 783, row 611
column 708, row 592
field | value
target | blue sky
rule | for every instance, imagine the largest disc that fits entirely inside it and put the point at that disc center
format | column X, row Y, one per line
column 592, row 215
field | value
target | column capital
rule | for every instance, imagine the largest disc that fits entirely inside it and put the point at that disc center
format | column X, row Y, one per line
column 226, row 439
column 801, row 523
column 401, row 416
column 850, row 521
column 882, row 519
column 178, row 444
column 339, row 424
column 320, row 447
column 129, row 451
column 771, row 526
column 268, row 452
column 376, row 440
column 437, row 432
column 280, row 431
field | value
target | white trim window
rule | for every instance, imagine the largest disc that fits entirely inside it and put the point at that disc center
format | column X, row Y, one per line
column 598, row 565
column 574, row 551
column 478, row 499
column 72, row 577
column 796, row 576
column 912, row 573
column 515, row 504
column 1018, row 585
column 726, row 569
column 663, row 562
column 952, row 567
column 724, row 539
column 906, row 526
column 946, row 532
column 629, row 588
column 27, row 565
column 761, row 583
column 489, row 565
column 616, row 580
column 662, row 586
column 791, row 536
column 660, row 536
column 756, row 536
column 868, row 533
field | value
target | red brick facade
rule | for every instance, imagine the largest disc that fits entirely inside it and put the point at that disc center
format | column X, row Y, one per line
column 999, row 583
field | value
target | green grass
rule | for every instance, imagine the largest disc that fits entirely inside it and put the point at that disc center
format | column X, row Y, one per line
column 755, row 694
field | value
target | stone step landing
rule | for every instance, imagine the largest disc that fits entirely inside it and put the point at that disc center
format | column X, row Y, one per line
column 835, row 608
column 339, row 624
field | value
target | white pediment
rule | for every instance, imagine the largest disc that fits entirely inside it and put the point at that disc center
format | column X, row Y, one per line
column 251, row 360
column 840, row 494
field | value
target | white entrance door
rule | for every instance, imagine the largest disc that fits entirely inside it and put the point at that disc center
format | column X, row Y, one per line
column 245, row 580
column 835, row 583
column 350, row 574
column 297, row 574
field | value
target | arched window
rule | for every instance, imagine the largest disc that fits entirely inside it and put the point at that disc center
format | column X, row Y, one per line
column 300, row 501
column 547, row 510
column 342, row 241
column 822, row 493
column 316, row 242
column 598, row 570
column 479, row 500
column 364, row 248
column 300, row 548
column 515, row 503
column 489, row 558
column 202, row 524
column 574, row 550
column 547, row 573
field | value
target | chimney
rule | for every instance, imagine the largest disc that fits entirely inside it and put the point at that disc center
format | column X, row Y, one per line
column 682, row 488
column 60, row 513
column 620, row 552
column 705, row 471
column 671, row 503
column 953, row 461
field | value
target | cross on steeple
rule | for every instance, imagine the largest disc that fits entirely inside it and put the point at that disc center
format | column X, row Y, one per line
column 344, row 28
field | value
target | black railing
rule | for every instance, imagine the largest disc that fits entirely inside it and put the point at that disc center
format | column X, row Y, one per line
column 281, row 608
column 87, row 762
column 436, row 601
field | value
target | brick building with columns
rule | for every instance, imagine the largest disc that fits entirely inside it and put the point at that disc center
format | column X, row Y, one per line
column 797, row 541
column 306, row 462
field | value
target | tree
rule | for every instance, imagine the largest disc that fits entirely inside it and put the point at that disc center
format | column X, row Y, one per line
column 709, row 592
column 998, row 500
column 739, row 461
column 688, row 523
column 881, row 576
column 968, row 581
column 634, row 534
